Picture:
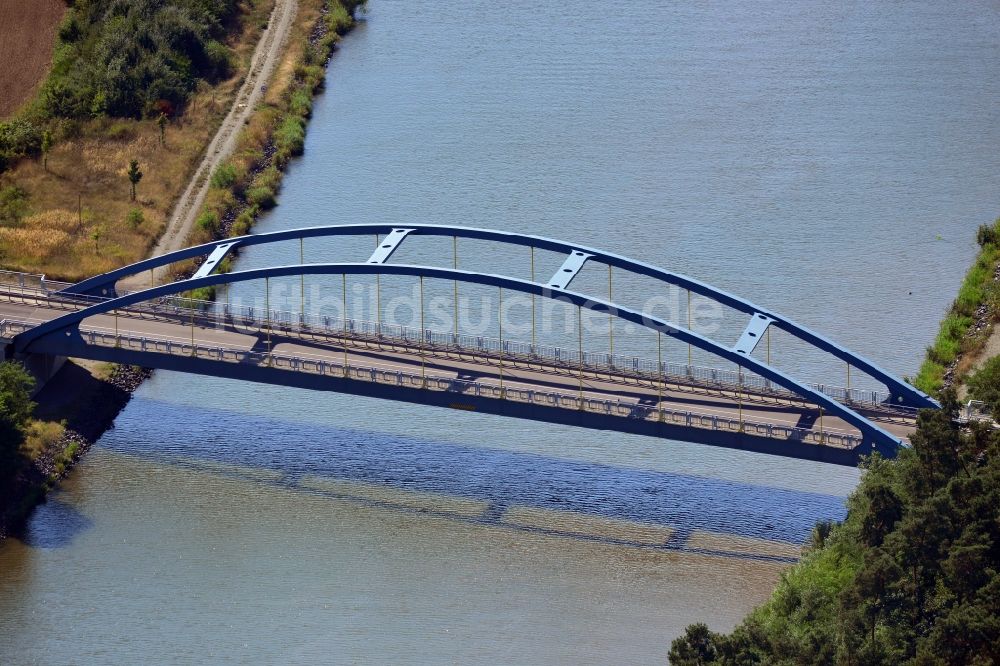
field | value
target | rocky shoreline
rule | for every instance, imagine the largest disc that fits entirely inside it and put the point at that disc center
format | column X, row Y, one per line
column 982, row 326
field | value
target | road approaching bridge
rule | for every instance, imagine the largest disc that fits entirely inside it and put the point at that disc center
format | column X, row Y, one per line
column 753, row 407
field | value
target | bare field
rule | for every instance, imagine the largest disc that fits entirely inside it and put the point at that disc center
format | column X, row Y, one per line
column 27, row 33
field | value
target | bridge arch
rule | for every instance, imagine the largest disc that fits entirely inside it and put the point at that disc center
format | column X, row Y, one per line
column 902, row 393
column 872, row 434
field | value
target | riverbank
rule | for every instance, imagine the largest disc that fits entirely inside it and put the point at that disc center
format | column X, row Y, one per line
column 87, row 398
column 67, row 211
column 965, row 332
column 916, row 555
column 73, row 410
column 247, row 184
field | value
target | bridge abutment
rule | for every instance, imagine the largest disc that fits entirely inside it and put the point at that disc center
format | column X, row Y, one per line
column 42, row 367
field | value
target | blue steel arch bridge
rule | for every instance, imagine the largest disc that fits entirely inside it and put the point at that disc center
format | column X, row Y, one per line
column 745, row 402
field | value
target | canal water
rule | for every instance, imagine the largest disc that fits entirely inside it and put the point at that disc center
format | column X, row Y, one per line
column 828, row 160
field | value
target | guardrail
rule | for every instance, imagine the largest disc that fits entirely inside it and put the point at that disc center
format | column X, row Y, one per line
column 294, row 322
column 374, row 373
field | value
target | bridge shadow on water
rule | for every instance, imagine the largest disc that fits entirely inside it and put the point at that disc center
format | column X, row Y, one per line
column 488, row 485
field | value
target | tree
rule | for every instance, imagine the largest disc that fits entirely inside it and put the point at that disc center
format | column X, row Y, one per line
column 696, row 647
column 15, row 410
column 15, row 394
column 46, row 147
column 161, row 122
column 912, row 575
column 134, row 175
column 95, row 236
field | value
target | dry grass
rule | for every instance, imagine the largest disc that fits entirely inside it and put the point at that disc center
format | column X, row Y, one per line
column 42, row 435
column 80, row 205
column 293, row 80
column 27, row 34
column 284, row 76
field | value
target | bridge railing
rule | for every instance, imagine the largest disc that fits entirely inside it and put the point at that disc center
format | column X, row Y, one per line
column 23, row 281
column 594, row 361
column 591, row 360
column 510, row 390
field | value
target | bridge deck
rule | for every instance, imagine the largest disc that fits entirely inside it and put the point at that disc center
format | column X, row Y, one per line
column 631, row 395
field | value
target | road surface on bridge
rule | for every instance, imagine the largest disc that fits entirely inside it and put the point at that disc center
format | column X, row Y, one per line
column 411, row 358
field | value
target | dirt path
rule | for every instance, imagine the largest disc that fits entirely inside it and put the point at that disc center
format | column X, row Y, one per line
column 265, row 60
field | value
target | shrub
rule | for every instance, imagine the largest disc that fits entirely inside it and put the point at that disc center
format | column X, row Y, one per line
column 42, row 435
column 261, row 196
column 124, row 58
column 135, row 218
column 300, row 103
column 291, row 135
column 219, row 60
column 987, row 235
column 270, row 178
column 208, row 221
column 224, row 177
column 19, row 138
column 69, row 29
column 13, row 205
column 15, row 410
column 243, row 221
column 985, row 385
column 339, row 19
column 200, row 294
column 120, row 131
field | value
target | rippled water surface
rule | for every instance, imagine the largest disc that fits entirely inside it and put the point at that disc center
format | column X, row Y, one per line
column 829, row 160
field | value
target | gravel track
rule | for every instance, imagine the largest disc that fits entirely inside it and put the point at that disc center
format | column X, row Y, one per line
column 265, row 60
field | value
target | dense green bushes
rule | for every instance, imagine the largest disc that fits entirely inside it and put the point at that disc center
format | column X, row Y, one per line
column 224, row 176
column 132, row 58
column 15, row 411
column 911, row 577
column 18, row 138
column 124, row 59
column 13, row 205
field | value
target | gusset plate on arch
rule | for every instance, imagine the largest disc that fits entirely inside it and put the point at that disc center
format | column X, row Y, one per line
column 388, row 245
column 213, row 259
column 752, row 334
column 569, row 270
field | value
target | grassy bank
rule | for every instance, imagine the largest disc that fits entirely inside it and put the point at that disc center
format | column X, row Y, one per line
column 967, row 325
column 248, row 183
column 66, row 206
column 42, row 233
